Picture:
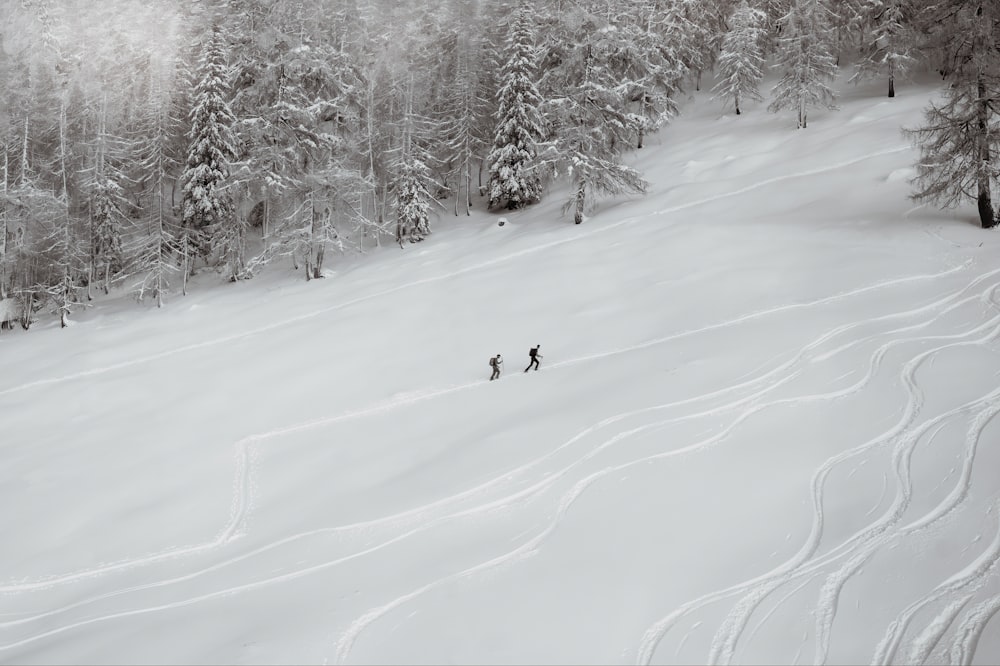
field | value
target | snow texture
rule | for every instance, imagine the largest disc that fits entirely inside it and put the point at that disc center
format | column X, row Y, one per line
column 768, row 437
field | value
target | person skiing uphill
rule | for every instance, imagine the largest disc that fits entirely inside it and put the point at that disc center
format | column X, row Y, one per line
column 495, row 363
column 534, row 356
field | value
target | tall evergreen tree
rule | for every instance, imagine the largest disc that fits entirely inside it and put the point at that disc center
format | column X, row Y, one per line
column 586, row 109
column 959, row 139
column 888, row 44
column 649, row 68
column 153, row 253
column 806, row 61
column 207, row 206
column 742, row 59
column 513, row 178
column 464, row 135
column 413, row 198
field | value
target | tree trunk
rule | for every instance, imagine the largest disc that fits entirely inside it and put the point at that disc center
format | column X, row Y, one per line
column 267, row 212
column 27, row 305
column 986, row 215
column 892, row 80
column 581, row 199
column 64, row 307
column 318, row 268
column 468, row 187
column 319, row 246
column 186, row 243
column 24, row 154
column 3, row 227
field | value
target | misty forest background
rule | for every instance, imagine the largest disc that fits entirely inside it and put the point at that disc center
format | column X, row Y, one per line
column 143, row 142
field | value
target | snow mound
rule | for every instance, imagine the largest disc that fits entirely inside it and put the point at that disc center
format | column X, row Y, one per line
column 904, row 174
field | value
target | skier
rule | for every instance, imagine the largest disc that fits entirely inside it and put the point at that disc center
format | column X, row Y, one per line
column 534, row 355
column 496, row 362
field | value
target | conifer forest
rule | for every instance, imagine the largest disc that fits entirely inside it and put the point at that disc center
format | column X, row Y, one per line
column 142, row 142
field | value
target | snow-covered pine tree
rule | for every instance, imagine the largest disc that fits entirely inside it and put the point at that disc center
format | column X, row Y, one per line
column 413, row 198
column 774, row 12
column 741, row 61
column 64, row 245
column 513, row 180
column 108, row 210
column 36, row 224
column 806, row 61
column 152, row 257
column 464, row 136
column 413, row 201
column 587, row 111
column 889, row 42
column 648, row 66
column 959, row 139
column 108, row 206
column 298, row 99
column 705, row 26
column 209, row 224
column 5, row 206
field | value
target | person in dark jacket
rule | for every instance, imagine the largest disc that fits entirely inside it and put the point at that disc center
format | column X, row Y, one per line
column 496, row 362
column 534, row 356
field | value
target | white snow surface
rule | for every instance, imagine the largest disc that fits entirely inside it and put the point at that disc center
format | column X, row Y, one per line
column 764, row 431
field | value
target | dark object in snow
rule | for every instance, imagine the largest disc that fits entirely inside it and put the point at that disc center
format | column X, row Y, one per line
column 502, row 221
column 534, row 356
column 496, row 362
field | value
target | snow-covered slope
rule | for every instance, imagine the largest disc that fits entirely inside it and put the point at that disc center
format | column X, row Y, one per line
column 764, row 430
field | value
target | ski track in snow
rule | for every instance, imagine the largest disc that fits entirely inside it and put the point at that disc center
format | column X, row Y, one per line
column 973, row 577
column 859, row 547
column 241, row 500
column 242, row 481
column 963, row 647
column 348, row 639
column 758, row 589
column 243, row 467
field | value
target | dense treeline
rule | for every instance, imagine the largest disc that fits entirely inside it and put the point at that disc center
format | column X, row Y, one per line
column 140, row 142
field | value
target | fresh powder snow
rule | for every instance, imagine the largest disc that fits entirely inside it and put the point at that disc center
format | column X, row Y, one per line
column 763, row 431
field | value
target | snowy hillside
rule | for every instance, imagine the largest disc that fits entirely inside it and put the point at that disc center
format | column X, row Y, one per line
column 764, row 430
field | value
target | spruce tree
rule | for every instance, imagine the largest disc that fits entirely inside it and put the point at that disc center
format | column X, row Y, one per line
column 806, row 61
column 513, row 178
column 742, row 59
column 413, row 198
column 108, row 211
column 207, row 206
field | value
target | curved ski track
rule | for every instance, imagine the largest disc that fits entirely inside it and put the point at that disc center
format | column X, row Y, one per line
column 739, row 401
